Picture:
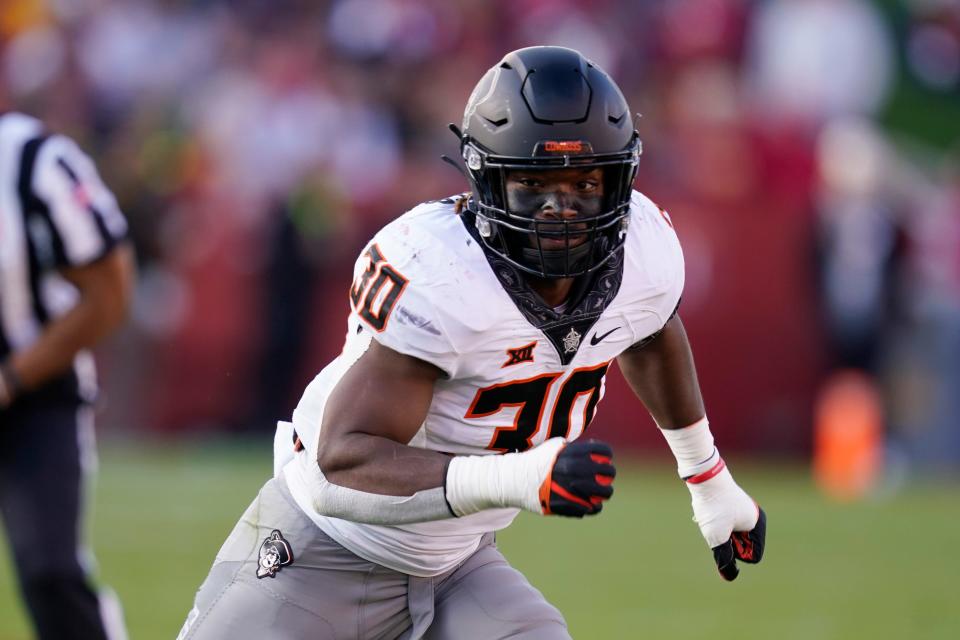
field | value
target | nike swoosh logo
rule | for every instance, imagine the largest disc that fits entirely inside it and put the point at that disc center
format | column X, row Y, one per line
column 595, row 339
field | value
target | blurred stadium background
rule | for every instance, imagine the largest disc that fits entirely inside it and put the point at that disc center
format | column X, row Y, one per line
column 807, row 150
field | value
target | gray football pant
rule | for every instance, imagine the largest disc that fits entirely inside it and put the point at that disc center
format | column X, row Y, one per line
column 328, row 592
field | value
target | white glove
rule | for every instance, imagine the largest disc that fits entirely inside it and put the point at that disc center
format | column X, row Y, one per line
column 733, row 525
column 720, row 506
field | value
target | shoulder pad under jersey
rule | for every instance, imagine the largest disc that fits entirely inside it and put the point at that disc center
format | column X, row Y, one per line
column 423, row 286
column 653, row 260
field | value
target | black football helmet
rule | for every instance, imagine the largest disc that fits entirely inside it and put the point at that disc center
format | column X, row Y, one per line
column 543, row 108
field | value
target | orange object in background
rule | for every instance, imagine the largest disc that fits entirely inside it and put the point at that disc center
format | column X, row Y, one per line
column 848, row 436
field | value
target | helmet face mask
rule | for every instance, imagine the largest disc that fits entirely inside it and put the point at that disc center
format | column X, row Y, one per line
column 546, row 111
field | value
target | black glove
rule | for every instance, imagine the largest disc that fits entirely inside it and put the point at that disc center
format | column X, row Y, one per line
column 742, row 545
column 580, row 480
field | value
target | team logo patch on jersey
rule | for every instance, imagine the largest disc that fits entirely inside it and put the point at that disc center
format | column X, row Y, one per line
column 275, row 553
column 571, row 341
column 520, row 354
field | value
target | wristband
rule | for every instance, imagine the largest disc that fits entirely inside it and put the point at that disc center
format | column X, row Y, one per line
column 712, row 472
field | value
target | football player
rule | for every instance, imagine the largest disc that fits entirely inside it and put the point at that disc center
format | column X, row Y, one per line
column 480, row 334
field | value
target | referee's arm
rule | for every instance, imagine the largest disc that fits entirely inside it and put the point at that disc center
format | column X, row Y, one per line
column 105, row 288
column 87, row 246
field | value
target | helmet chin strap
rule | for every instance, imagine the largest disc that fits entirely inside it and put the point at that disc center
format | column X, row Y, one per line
column 558, row 260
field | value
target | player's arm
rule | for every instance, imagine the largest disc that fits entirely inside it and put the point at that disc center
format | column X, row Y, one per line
column 104, row 289
column 662, row 374
column 375, row 409
column 366, row 472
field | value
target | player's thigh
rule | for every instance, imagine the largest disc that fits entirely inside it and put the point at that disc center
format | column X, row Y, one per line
column 229, row 608
column 301, row 602
column 486, row 598
column 323, row 592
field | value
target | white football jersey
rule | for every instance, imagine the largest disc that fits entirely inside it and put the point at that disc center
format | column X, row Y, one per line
column 517, row 371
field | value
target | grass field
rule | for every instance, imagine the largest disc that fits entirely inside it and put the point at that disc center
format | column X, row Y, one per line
column 878, row 569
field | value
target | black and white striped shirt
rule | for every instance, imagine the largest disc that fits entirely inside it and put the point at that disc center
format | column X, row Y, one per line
column 55, row 213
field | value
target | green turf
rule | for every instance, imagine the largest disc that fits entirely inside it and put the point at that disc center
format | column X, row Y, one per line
column 877, row 569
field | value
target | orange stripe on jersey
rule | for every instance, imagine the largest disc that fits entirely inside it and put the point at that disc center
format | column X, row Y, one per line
column 666, row 216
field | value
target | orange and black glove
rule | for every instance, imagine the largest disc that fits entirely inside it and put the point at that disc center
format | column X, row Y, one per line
column 580, row 481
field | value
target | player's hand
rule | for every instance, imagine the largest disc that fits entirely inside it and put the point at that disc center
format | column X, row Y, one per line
column 579, row 481
column 742, row 545
column 733, row 525
column 556, row 477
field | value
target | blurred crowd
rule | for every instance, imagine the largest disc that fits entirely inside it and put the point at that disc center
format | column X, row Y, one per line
column 807, row 150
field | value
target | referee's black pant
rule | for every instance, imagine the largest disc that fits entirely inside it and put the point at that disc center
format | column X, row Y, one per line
column 44, row 452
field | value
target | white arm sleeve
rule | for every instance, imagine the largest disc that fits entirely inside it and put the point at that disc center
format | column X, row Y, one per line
column 473, row 483
column 372, row 508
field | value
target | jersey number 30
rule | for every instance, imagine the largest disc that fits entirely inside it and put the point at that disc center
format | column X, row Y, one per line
column 530, row 396
column 376, row 289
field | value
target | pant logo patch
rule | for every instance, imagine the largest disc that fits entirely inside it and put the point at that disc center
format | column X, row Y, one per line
column 275, row 553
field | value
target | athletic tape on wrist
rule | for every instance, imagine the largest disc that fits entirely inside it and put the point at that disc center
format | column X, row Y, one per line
column 475, row 483
column 693, row 448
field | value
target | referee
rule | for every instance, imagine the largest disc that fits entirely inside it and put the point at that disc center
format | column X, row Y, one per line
column 65, row 282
